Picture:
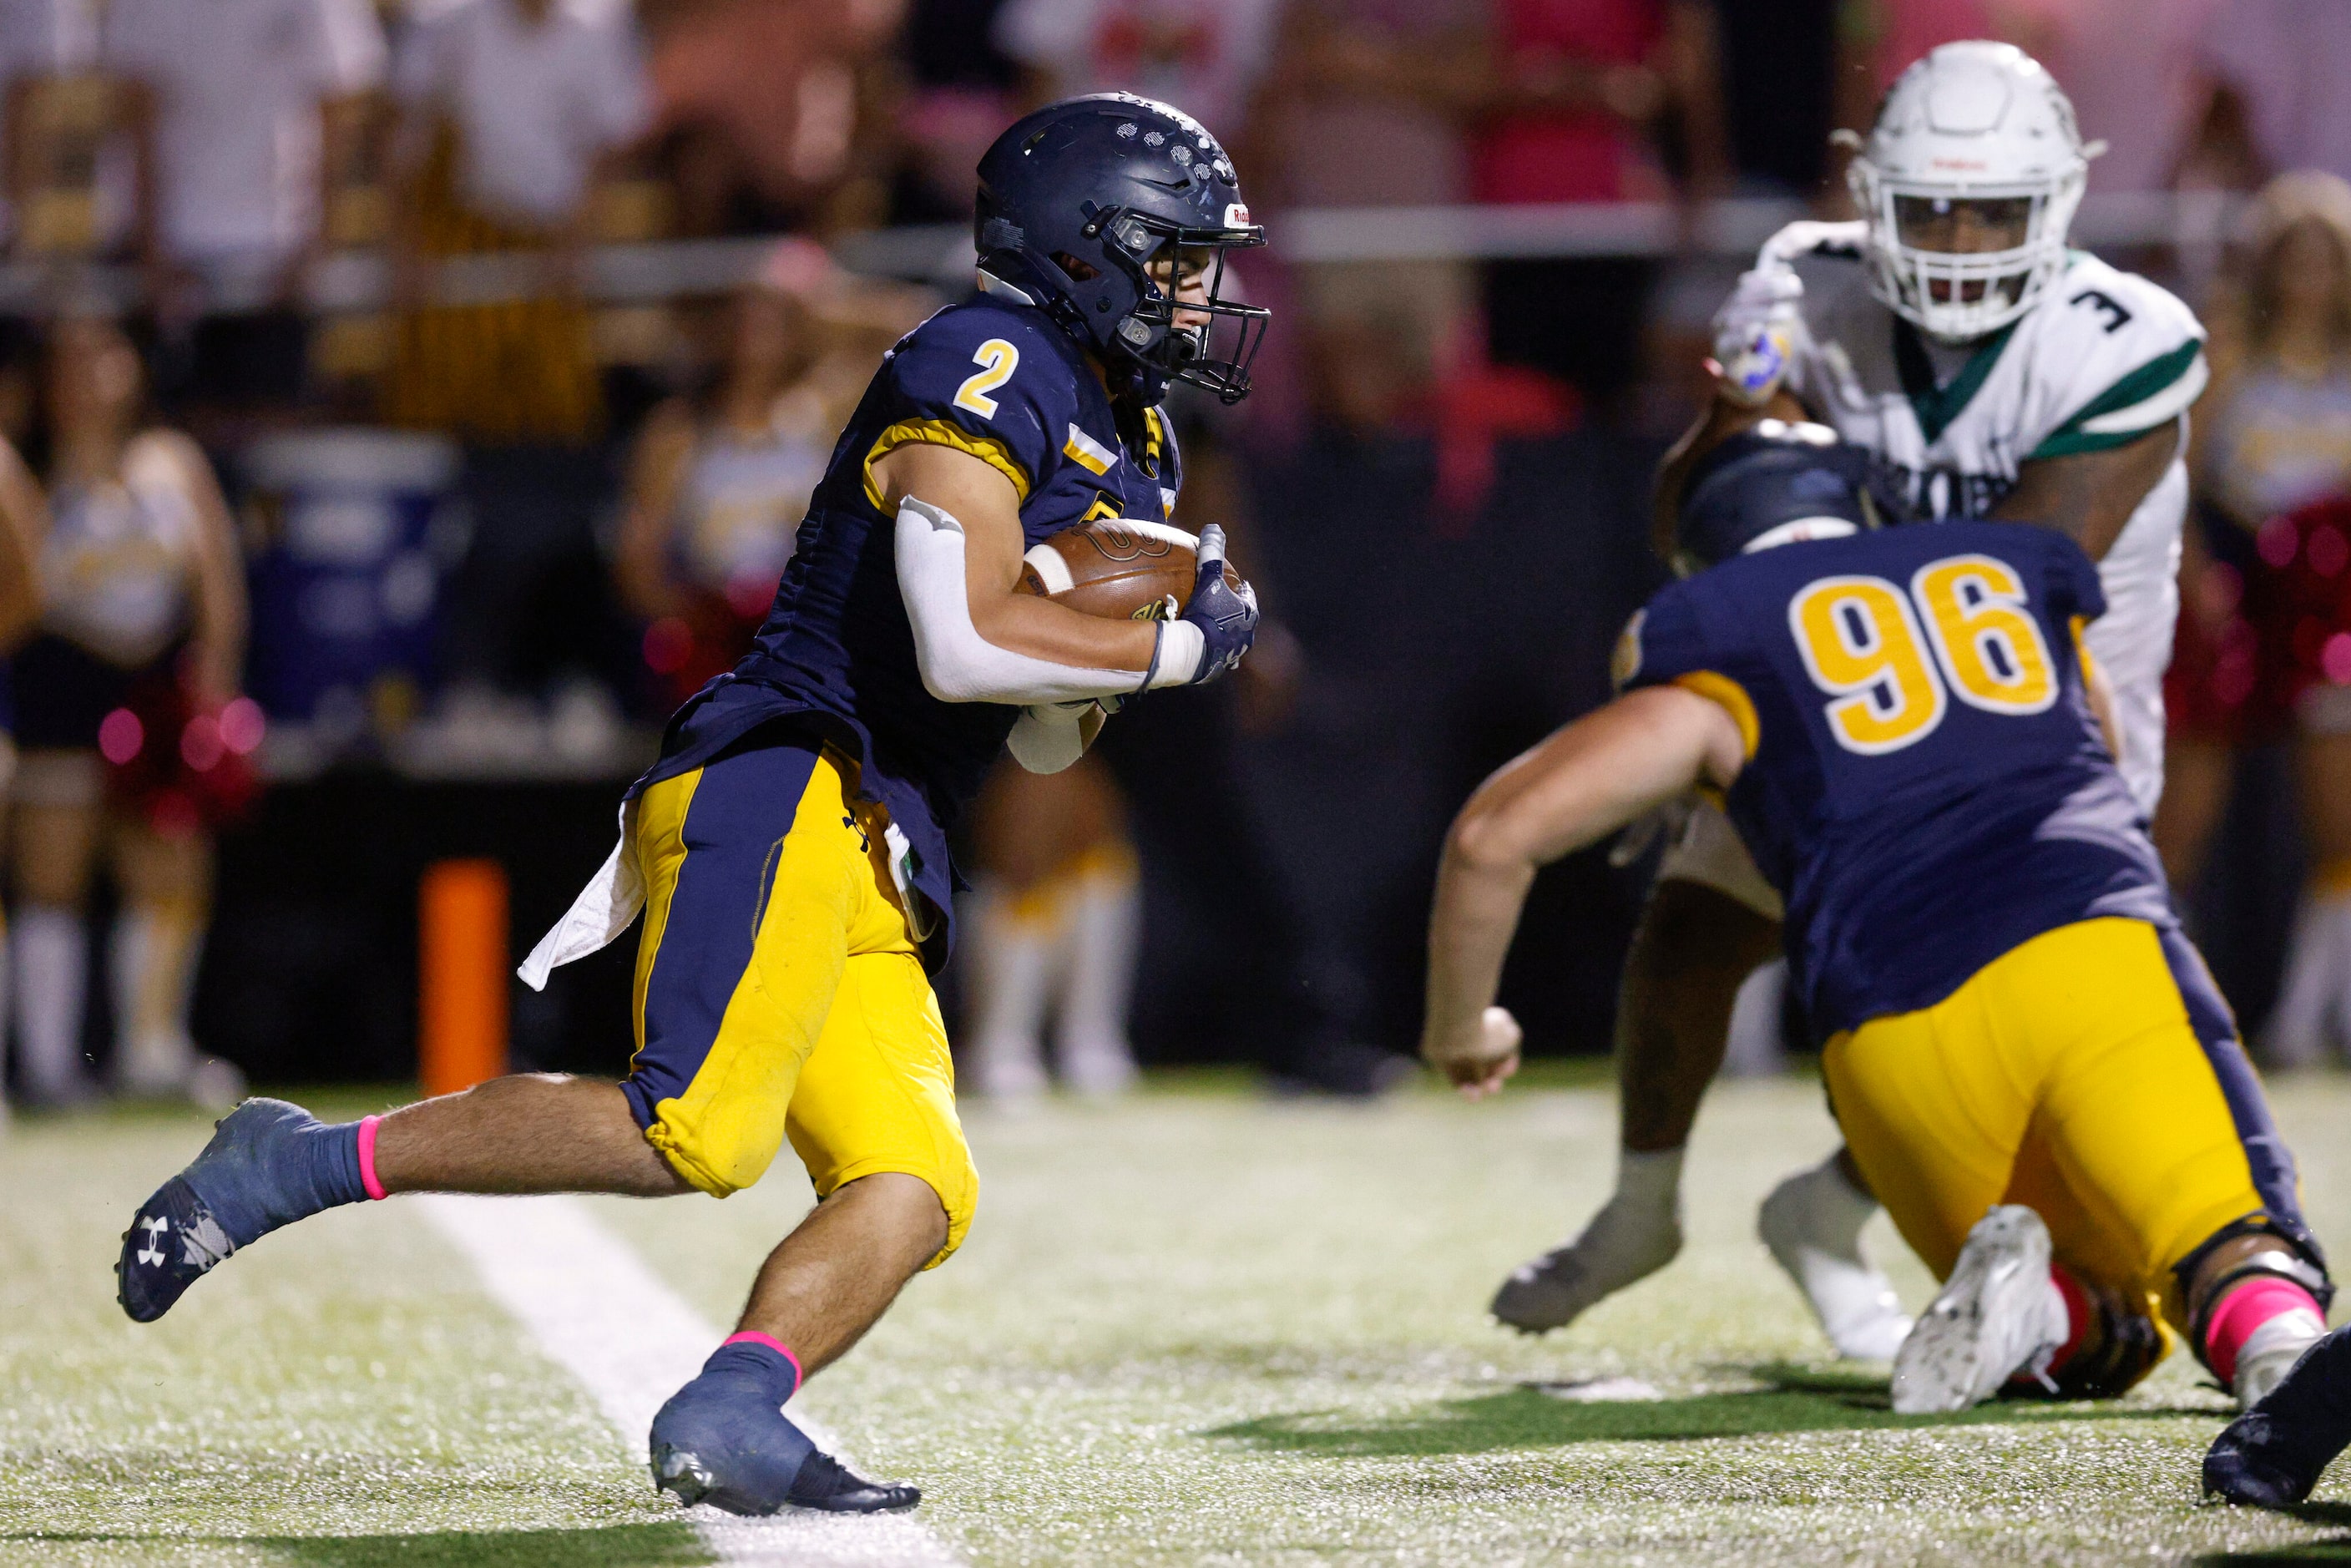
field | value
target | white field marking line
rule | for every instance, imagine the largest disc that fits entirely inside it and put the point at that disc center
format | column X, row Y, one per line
column 598, row 1312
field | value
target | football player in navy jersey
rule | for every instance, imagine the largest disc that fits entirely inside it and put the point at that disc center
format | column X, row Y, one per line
column 789, row 851
column 2024, row 1053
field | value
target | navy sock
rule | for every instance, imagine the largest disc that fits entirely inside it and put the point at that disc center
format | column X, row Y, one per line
column 272, row 1163
column 759, row 1361
column 329, row 1169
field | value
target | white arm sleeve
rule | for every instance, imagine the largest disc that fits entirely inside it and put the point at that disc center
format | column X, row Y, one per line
column 958, row 664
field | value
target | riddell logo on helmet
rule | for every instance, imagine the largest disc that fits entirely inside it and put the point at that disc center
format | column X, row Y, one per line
column 1236, row 215
column 1975, row 164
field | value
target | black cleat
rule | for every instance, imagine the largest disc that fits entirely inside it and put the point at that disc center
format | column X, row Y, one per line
column 724, row 1439
column 2271, row 1456
column 746, row 1484
column 258, row 1172
column 824, row 1482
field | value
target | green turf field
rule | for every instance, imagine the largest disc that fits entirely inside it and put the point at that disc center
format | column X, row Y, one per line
column 1196, row 1328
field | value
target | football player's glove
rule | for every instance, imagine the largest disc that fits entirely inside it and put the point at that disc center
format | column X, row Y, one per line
column 1757, row 333
column 1215, row 629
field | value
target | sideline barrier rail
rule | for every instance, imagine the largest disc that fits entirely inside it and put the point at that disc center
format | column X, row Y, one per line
column 941, row 254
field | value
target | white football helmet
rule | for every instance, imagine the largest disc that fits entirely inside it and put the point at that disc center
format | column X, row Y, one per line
column 1969, row 181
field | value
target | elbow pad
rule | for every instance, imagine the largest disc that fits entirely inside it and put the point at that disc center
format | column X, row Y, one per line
column 958, row 664
column 1049, row 737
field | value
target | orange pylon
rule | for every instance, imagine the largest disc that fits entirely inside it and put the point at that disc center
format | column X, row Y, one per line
column 461, row 974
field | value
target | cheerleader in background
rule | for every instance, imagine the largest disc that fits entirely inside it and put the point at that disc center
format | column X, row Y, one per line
column 143, row 626
column 1055, row 922
column 2261, row 654
column 718, row 483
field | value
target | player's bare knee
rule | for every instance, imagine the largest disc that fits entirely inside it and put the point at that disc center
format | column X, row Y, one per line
column 904, row 1210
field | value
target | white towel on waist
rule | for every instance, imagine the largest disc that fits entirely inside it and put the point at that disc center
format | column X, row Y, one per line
column 604, row 909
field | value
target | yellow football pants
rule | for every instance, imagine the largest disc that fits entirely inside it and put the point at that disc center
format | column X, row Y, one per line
column 779, row 993
column 2067, row 1076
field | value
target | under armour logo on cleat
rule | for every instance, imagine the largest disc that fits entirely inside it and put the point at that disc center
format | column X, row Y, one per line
column 155, row 1227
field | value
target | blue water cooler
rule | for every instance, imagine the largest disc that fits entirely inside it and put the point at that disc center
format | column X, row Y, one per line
column 350, row 533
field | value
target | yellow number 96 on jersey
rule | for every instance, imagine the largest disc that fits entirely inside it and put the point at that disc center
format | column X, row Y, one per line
column 1865, row 643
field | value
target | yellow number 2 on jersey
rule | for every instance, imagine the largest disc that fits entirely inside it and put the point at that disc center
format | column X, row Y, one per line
column 996, row 359
column 1862, row 643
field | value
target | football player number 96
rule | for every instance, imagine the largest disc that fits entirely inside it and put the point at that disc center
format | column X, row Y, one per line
column 1867, row 643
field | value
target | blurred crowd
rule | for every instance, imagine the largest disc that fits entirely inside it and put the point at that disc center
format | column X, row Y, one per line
column 472, row 516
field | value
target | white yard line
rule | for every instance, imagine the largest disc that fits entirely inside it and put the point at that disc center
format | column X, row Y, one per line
column 597, row 1311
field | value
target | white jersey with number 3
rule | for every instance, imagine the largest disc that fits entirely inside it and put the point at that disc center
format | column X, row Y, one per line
column 2105, row 358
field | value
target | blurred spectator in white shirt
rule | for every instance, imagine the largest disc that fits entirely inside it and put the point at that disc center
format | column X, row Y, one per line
column 235, row 101
column 509, row 111
column 55, row 110
column 2272, row 94
column 538, row 91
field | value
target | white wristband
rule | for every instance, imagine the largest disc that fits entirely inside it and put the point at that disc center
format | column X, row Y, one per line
column 1181, row 649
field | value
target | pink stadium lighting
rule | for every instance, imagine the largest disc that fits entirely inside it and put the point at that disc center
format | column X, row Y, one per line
column 241, row 726
column 120, row 737
column 200, row 743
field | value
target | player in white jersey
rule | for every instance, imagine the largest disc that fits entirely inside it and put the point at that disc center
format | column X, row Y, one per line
column 1993, row 373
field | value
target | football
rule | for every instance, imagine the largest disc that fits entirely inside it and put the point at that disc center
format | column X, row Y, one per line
column 1121, row 567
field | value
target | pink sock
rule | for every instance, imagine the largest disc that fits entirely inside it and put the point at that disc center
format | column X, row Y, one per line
column 366, row 1158
column 2246, row 1309
column 753, row 1336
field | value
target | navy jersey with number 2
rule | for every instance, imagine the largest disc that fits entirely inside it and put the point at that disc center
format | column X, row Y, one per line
column 835, row 662
column 1926, row 784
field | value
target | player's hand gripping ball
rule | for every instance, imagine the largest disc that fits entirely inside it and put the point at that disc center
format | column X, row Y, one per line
column 1133, row 570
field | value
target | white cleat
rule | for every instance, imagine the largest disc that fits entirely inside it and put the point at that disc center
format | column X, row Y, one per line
column 1621, row 1247
column 1811, row 1223
column 2000, row 1313
column 2271, row 1351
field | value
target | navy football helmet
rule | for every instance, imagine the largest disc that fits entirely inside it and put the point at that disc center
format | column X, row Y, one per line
column 1077, row 201
column 1778, row 482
